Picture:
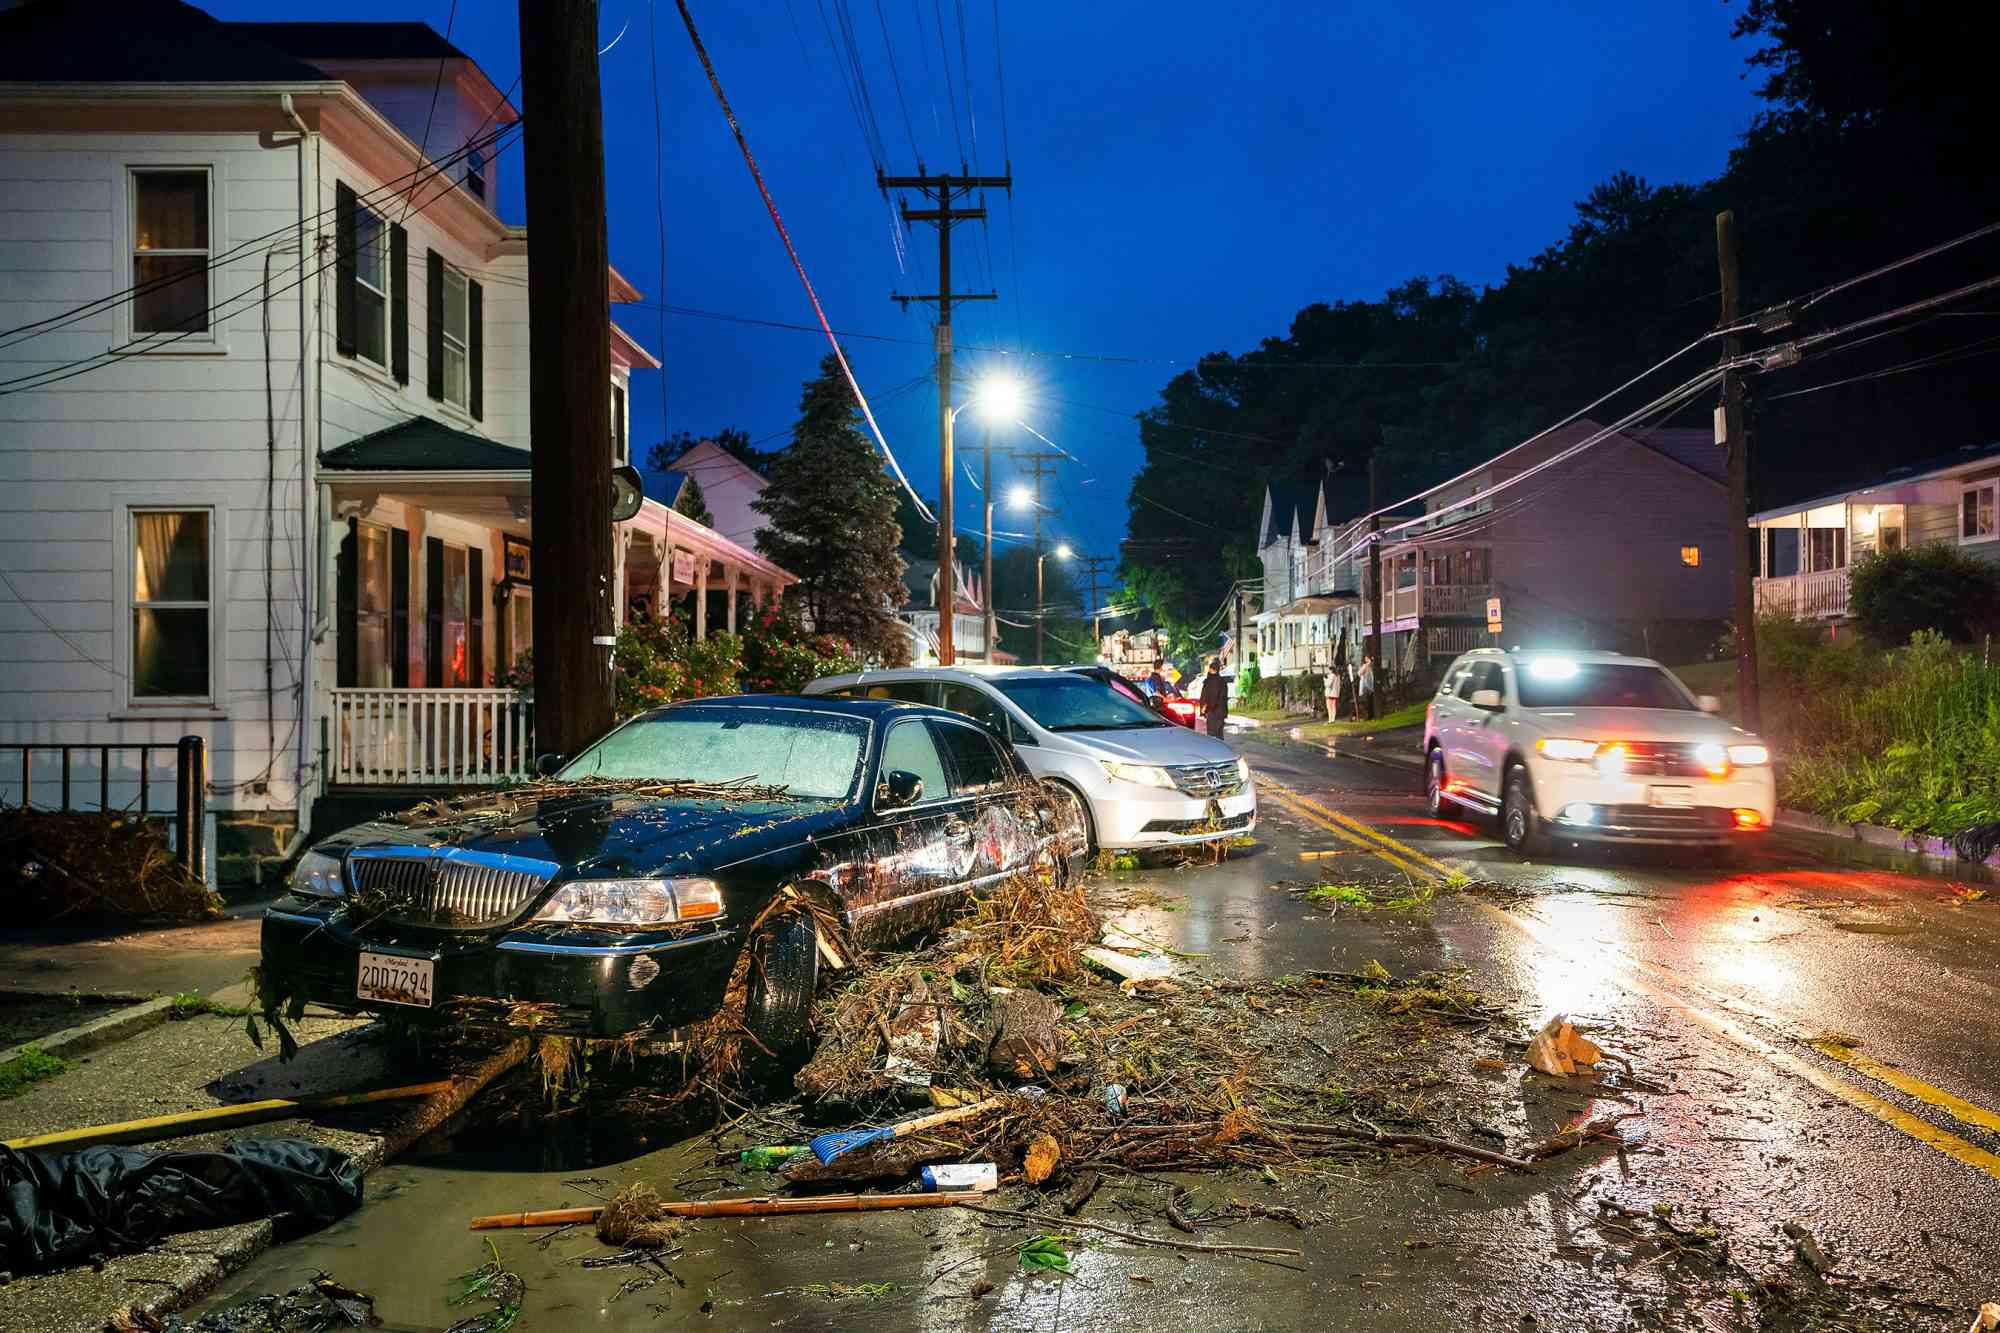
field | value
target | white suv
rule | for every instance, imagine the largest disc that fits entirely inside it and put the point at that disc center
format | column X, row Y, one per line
column 1591, row 746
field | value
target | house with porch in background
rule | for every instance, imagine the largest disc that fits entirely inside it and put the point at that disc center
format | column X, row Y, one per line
column 264, row 428
column 1804, row 549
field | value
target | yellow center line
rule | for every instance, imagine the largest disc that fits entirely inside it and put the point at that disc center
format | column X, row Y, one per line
column 1627, row 971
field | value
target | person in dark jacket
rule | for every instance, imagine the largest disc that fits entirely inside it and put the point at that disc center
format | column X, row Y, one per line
column 1214, row 698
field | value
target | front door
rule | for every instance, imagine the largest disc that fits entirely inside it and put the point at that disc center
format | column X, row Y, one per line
column 915, row 859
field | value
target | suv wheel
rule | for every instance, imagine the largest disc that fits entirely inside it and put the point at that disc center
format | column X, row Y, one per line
column 1434, row 783
column 1519, row 823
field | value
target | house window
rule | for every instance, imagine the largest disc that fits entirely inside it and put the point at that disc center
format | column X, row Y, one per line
column 1975, row 515
column 170, row 251
column 457, row 603
column 371, row 286
column 520, row 624
column 475, row 173
column 171, row 589
column 371, row 608
column 1826, row 549
column 457, row 323
column 1691, row 556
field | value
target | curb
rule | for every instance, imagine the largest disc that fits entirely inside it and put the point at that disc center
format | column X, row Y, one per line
column 127, row 1022
column 1874, row 844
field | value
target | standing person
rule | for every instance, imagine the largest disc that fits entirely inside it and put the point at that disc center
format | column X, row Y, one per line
column 1333, row 694
column 1156, row 683
column 1364, row 688
column 1214, row 698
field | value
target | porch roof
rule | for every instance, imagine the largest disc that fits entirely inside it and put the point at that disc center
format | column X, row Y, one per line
column 424, row 445
column 1898, row 484
column 665, row 527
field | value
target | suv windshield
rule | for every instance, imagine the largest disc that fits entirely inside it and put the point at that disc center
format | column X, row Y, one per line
column 812, row 755
column 1061, row 701
column 1560, row 683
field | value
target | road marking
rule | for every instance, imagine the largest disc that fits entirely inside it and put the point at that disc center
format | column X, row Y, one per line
column 1626, row 971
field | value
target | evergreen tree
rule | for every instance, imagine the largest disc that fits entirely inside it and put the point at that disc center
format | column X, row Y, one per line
column 832, row 512
column 693, row 504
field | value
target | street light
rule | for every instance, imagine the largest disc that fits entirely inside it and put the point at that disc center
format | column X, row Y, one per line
column 999, row 398
column 1061, row 553
column 1021, row 497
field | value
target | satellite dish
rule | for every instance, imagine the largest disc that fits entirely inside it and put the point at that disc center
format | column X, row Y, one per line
column 628, row 493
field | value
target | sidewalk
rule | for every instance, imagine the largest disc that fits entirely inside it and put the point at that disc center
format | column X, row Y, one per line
column 59, row 960
column 1399, row 747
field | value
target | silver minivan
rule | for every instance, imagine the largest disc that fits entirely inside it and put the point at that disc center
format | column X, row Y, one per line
column 1142, row 781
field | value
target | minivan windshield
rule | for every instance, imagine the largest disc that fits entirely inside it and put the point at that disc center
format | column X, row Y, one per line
column 1557, row 682
column 816, row 756
column 1062, row 701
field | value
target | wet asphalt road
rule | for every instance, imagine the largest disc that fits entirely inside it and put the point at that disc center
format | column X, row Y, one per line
column 1714, row 982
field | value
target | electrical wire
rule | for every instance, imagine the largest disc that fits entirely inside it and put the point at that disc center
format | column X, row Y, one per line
column 424, row 144
column 659, row 193
column 1895, row 264
column 771, row 206
column 896, row 77
column 950, row 91
column 1983, row 347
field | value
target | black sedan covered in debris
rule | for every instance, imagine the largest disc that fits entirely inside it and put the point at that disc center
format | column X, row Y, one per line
column 617, row 897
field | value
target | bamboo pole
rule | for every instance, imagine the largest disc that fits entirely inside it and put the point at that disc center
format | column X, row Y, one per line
column 761, row 1205
column 219, row 1117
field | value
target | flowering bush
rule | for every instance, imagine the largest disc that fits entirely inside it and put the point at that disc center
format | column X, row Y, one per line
column 659, row 661
column 780, row 655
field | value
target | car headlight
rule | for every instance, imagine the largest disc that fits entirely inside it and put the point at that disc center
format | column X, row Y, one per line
column 1566, row 749
column 1746, row 755
column 1243, row 770
column 317, row 875
column 637, row 903
column 1149, row 775
column 1713, row 758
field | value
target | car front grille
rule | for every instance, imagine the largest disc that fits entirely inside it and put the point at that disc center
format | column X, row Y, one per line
column 1644, row 821
column 1662, row 759
column 444, row 887
column 1228, row 825
column 1206, row 780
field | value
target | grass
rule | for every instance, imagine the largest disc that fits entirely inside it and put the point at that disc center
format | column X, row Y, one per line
column 28, row 1068
column 1370, row 899
column 1409, row 715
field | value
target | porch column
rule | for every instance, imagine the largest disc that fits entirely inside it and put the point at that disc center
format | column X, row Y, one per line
column 701, row 595
column 621, row 542
column 732, row 598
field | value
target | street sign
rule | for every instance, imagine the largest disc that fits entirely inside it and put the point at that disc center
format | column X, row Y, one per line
column 1493, row 615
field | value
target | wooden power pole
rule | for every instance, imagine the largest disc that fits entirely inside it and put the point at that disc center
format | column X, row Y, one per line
column 1094, row 563
column 941, row 190
column 569, row 373
column 1374, row 654
column 1735, row 436
column 1040, row 463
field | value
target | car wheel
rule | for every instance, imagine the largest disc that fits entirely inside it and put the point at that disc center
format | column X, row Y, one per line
column 1519, row 823
column 1070, row 805
column 1434, row 784
column 784, row 973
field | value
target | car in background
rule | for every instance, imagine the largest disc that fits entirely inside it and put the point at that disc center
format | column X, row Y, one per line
column 607, row 911
column 1175, row 708
column 1591, row 747
column 1139, row 780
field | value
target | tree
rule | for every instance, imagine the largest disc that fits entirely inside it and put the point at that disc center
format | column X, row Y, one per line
column 832, row 512
column 736, row 443
column 692, row 504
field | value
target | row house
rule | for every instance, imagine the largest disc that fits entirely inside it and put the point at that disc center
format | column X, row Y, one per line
column 1313, row 581
column 920, row 615
column 264, row 417
column 1804, row 550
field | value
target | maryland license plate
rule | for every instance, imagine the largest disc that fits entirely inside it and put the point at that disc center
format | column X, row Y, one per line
column 392, row 979
column 1673, row 798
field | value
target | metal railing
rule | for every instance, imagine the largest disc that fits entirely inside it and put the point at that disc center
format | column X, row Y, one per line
column 190, row 780
column 420, row 737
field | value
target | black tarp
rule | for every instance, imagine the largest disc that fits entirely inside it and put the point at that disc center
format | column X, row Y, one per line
column 60, row 1209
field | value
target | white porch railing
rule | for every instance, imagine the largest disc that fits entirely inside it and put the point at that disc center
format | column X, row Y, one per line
column 1821, row 596
column 389, row 737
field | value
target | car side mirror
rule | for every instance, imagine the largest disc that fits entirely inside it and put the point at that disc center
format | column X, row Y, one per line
column 1487, row 699
column 548, row 765
column 1708, row 703
column 900, row 787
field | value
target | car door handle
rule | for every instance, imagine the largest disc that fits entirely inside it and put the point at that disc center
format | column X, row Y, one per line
column 957, row 828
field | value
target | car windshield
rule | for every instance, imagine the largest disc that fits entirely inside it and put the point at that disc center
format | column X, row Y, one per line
column 1062, row 701
column 1554, row 682
column 816, row 756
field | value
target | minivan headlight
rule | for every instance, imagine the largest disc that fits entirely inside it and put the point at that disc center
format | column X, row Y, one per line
column 1243, row 770
column 1149, row 775
column 636, row 903
column 317, row 875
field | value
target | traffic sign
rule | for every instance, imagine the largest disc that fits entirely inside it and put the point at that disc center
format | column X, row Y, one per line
column 1493, row 615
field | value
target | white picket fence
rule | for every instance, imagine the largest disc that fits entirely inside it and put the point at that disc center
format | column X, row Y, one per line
column 390, row 737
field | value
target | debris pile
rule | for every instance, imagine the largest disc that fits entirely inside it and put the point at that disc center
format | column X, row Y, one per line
column 96, row 866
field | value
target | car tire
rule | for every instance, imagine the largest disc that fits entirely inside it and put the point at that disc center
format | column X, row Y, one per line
column 1520, row 825
column 1434, row 784
column 784, row 974
column 1061, row 791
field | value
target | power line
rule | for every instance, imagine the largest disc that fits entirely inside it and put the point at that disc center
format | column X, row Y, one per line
column 896, row 77
column 1895, row 264
column 950, row 92
column 659, row 194
column 424, row 146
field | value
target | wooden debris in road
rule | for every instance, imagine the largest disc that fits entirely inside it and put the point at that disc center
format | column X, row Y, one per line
column 1575, row 1135
column 1559, row 1049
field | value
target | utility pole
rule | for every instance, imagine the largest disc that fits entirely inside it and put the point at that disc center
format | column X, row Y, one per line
column 1374, row 653
column 569, row 373
column 986, row 493
column 1237, row 648
column 1091, row 563
column 1040, row 463
column 941, row 190
column 1735, row 436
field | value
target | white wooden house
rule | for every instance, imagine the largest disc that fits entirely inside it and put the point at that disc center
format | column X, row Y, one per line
column 264, row 412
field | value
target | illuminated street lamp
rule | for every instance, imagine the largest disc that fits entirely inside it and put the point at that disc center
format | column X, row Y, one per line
column 998, row 398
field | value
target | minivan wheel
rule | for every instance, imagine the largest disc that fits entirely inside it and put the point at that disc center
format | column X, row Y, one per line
column 1071, row 806
column 784, row 973
column 1434, row 783
column 1519, row 823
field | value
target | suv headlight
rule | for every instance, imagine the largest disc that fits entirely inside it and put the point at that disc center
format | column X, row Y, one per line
column 317, row 875
column 1149, row 775
column 638, row 903
column 1744, row 756
column 1566, row 749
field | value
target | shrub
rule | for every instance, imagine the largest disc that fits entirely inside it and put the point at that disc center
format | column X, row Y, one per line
column 1894, row 594
column 659, row 661
column 780, row 655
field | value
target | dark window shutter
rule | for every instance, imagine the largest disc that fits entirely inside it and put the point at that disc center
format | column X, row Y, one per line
column 475, row 616
column 344, row 310
column 399, row 303
column 433, row 613
column 347, row 602
column 399, row 608
column 434, row 323
column 475, row 353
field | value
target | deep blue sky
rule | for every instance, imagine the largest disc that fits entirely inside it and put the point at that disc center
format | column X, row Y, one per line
column 1188, row 176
